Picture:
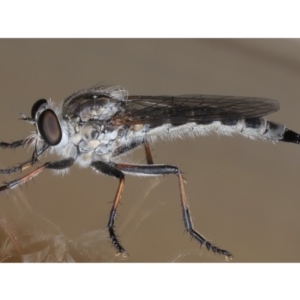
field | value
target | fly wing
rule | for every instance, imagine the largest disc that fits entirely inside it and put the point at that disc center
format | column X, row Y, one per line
column 193, row 108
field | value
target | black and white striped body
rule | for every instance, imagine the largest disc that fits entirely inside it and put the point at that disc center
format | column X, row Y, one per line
column 92, row 130
column 87, row 143
column 96, row 127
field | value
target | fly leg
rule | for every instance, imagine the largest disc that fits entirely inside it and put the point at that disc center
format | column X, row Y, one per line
column 28, row 163
column 123, row 149
column 12, row 145
column 55, row 165
column 168, row 169
column 112, row 171
column 148, row 153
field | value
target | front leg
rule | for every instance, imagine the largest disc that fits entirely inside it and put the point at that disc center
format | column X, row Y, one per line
column 54, row 165
column 28, row 163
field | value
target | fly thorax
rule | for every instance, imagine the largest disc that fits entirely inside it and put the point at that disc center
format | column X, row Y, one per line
column 101, row 110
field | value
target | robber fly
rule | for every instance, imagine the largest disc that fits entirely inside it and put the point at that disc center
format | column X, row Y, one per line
column 95, row 127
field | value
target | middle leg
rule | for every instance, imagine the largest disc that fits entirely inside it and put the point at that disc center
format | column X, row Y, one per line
column 112, row 171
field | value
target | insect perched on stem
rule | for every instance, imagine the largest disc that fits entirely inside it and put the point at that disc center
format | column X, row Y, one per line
column 96, row 126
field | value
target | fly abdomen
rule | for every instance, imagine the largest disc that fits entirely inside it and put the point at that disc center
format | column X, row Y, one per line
column 255, row 128
column 259, row 128
column 290, row 137
column 273, row 131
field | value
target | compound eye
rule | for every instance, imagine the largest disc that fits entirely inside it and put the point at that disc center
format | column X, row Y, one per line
column 36, row 106
column 49, row 127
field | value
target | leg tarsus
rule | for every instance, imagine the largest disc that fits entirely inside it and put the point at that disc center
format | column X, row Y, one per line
column 116, row 243
column 209, row 246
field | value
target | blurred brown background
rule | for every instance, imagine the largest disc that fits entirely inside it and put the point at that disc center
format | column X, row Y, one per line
column 243, row 194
